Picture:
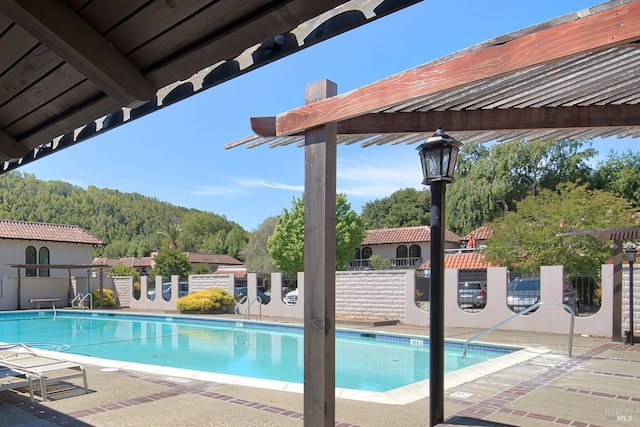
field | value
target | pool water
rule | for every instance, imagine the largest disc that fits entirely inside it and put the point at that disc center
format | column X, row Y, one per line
column 367, row 361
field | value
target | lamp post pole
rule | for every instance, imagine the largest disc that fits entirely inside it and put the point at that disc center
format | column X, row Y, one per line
column 436, row 328
column 631, row 257
column 438, row 156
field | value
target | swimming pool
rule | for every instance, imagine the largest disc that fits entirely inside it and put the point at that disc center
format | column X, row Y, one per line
column 260, row 350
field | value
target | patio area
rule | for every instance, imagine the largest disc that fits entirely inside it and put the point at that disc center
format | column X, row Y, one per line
column 599, row 386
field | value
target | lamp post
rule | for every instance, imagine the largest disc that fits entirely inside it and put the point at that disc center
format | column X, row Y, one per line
column 438, row 156
column 631, row 253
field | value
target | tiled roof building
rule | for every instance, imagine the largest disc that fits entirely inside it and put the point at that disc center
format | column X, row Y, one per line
column 405, row 235
column 23, row 230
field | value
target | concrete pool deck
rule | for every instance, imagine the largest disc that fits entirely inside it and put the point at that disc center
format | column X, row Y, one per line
column 598, row 386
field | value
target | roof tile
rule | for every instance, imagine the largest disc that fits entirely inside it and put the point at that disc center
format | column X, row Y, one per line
column 462, row 261
column 404, row 235
column 23, row 230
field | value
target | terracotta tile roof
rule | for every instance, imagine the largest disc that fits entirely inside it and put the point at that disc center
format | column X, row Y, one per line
column 405, row 235
column 128, row 261
column 481, row 233
column 221, row 259
column 23, row 230
column 462, row 261
column 238, row 272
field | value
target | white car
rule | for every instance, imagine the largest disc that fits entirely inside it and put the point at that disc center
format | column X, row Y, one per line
column 291, row 297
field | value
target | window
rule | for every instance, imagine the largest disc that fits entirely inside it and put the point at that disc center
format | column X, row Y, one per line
column 357, row 254
column 30, row 258
column 401, row 252
column 366, row 253
column 43, row 258
column 415, row 251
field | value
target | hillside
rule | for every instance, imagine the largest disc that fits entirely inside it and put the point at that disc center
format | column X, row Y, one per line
column 129, row 223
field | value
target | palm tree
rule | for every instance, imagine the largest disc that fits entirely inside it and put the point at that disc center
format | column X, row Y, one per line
column 172, row 231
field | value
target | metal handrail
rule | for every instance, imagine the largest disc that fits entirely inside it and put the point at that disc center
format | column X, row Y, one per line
column 81, row 303
column 525, row 311
column 247, row 311
column 242, row 300
column 75, row 300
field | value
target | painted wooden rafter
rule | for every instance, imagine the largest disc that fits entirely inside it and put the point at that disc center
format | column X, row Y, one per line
column 614, row 27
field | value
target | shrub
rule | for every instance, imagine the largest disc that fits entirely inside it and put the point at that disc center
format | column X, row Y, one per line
column 108, row 298
column 205, row 300
column 377, row 262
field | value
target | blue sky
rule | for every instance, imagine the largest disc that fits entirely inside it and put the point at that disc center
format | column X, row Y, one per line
column 176, row 155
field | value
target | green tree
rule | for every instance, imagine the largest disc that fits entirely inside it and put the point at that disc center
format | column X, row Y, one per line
column 170, row 262
column 529, row 237
column 286, row 244
column 404, row 208
column 235, row 241
column 124, row 270
column 489, row 181
column 171, row 232
column 620, row 174
column 256, row 254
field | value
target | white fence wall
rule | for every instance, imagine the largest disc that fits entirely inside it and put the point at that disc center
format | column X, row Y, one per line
column 361, row 294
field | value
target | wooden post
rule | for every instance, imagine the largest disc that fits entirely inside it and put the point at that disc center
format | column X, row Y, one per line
column 319, row 265
column 18, row 296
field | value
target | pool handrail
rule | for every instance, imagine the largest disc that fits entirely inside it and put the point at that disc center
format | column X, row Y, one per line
column 247, row 310
column 242, row 300
column 525, row 311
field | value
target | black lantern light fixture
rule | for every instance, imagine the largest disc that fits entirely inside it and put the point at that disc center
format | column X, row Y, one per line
column 438, row 156
column 631, row 253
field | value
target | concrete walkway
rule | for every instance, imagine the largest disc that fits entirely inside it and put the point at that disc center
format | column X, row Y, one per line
column 599, row 386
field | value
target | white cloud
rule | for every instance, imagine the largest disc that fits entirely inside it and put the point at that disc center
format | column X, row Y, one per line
column 243, row 186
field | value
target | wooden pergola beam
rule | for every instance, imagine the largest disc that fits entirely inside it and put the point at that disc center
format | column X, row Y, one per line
column 10, row 148
column 574, row 117
column 613, row 27
column 72, row 39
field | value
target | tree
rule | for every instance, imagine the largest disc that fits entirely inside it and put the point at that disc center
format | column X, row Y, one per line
column 620, row 174
column 124, row 270
column 490, row 181
column 529, row 237
column 171, row 232
column 286, row 244
column 170, row 262
column 404, row 208
column 256, row 254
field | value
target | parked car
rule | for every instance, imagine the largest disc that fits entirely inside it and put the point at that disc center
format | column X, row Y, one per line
column 523, row 292
column 241, row 292
column 472, row 294
column 183, row 290
column 291, row 297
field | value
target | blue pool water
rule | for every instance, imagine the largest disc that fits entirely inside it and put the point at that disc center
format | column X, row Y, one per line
column 368, row 361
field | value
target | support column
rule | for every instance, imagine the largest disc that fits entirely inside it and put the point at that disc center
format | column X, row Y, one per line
column 319, row 265
column 616, row 333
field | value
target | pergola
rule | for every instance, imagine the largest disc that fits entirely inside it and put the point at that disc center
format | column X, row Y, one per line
column 72, row 69
column 572, row 77
column 67, row 267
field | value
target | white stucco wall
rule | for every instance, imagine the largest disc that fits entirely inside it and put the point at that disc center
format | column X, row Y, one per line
column 13, row 252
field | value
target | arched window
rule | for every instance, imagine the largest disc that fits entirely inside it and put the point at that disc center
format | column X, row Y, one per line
column 401, row 252
column 30, row 258
column 415, row 253
column 366, row 252
column 357, row 253
column 43, row 258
